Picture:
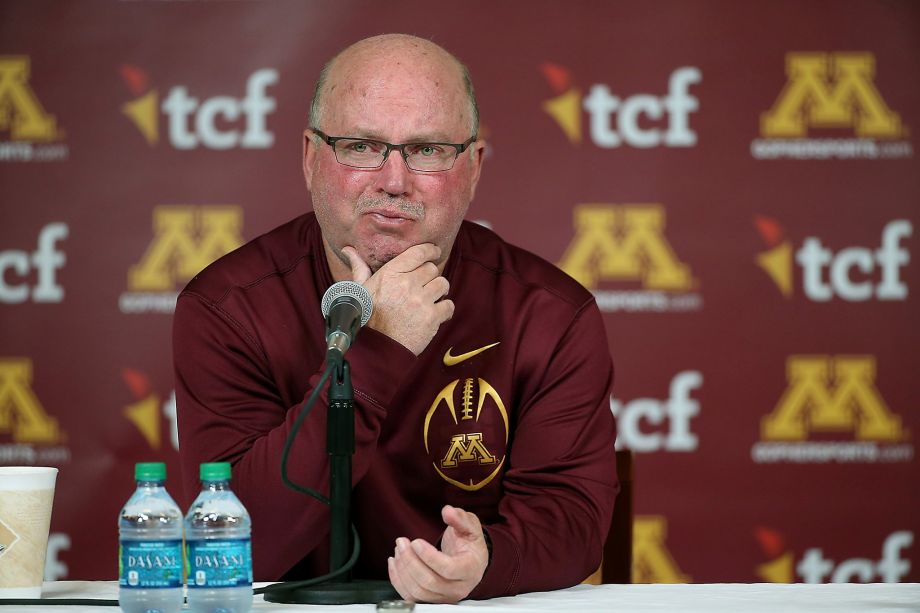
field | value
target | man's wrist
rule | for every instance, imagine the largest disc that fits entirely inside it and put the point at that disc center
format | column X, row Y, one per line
column 488, row 540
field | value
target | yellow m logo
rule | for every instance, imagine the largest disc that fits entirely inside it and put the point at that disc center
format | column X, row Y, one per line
column 830, row 90
column 20, row 111
column 620, row 243
column 20, row 411
column 186, row 239
column 831, row 394
column 467, row 448
column 652, row 562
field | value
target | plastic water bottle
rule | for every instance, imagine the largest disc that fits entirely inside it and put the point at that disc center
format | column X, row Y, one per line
column 150, row 546
column 218, row 546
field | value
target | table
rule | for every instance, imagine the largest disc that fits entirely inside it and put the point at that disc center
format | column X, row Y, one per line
column 684, row 598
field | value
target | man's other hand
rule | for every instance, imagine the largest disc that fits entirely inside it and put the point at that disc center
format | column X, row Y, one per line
column 421, row 573
column 407, row 293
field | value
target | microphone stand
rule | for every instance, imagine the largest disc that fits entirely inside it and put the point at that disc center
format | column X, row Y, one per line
column 340, row 445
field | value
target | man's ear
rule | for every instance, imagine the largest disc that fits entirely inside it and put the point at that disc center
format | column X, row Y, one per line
column 309, row 157
column 477, row 154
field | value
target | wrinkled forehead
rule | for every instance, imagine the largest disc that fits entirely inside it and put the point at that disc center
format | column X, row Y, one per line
column 412, row 91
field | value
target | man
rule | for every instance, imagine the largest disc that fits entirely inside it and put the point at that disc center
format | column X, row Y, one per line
column 484, row 461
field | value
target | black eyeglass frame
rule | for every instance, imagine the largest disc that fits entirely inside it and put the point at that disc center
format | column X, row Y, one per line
column 331, row 140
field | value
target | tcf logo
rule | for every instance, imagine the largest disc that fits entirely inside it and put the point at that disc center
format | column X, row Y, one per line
column 46, row 260
column 673, row 415
column 628, row 113
column 148, row 410
column 826, row 274
column 194, row 122
column 814, row 567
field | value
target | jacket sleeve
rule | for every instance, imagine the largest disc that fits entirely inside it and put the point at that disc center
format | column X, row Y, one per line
column 561, row 482
column 230, row 409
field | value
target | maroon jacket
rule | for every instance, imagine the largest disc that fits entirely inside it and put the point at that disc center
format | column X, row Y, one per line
column 520, row 433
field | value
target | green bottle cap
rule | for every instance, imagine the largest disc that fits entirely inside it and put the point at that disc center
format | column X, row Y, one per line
column 215, row 471
column 150, row 471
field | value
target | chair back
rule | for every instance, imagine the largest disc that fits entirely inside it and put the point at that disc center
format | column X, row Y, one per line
column 616, row 565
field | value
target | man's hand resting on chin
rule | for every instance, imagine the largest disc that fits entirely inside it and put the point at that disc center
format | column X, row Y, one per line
column 409, row 295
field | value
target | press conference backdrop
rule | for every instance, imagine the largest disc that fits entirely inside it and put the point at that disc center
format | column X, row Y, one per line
column 737, row 183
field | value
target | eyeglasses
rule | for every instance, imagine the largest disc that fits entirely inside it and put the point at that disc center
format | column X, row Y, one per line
column 421, row 157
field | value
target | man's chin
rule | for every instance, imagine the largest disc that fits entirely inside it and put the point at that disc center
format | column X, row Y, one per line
column 380, row 252
column 375, row 261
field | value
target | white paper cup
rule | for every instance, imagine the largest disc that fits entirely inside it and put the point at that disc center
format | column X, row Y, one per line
column 26, row 497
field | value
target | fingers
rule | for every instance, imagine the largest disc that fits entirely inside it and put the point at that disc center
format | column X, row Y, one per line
column 464, row 536
column 441, row 564
column 423, row 275
column 444, row 310
column 360, row 271
column 409, row 575
column 416, row 258
column 419, row 572
column 398, row 584
column 413, row 257
column 437, row 288
column 465, row 524
column 409, row 295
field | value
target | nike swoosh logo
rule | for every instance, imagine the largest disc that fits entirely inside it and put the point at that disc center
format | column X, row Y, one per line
column 452, row 360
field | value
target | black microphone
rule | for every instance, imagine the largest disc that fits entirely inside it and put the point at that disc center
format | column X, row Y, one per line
column 347, row 306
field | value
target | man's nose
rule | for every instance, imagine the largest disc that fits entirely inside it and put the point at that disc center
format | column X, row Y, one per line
column 395, row 177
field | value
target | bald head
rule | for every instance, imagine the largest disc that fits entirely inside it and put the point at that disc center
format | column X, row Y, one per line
column 410, row 54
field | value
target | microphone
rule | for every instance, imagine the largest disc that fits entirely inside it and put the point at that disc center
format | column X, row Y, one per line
column 347, row 306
